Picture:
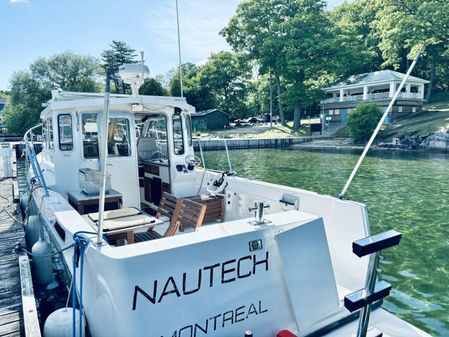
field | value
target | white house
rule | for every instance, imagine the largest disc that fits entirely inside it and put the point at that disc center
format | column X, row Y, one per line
column 378, row 87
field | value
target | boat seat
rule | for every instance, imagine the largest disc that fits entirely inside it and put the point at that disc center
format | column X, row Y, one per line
column 186, row 213
column 146, row 236
column 146, row 148
column 191, row 214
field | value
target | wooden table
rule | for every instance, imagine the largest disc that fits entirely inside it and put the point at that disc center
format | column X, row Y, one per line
column 122, row 227
column 84, row 203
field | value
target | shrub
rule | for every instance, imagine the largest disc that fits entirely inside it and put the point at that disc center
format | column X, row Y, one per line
column 363, row 120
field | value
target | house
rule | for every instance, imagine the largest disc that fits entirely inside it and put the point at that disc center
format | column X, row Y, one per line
column 378, row 87
column 212, row 119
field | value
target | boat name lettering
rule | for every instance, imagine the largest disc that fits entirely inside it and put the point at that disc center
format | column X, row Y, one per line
column 208, row 276
column 220, row 321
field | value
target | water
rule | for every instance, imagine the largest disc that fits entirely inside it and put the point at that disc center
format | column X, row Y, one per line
column 407, row 192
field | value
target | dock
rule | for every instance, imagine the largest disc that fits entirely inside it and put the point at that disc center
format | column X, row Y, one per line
column 18, row 314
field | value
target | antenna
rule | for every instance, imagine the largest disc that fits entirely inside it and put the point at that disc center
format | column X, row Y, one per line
column 179, row 50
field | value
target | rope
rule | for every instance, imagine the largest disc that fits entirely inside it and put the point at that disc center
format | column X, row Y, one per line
column 80, row 244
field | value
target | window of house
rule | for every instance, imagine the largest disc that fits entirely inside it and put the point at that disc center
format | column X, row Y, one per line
column 336, row 112
column 178, row 139
column 65, row 132
column 331, row 112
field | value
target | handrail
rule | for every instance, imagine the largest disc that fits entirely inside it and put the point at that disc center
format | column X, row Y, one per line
column 29, row 146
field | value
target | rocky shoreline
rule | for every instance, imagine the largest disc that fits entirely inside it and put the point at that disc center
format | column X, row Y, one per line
column 434, row 143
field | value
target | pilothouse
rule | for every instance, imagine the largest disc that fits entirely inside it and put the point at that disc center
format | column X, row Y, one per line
column 164, row 247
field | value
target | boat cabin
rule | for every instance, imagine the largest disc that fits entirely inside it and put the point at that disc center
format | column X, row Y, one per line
column 149, row 145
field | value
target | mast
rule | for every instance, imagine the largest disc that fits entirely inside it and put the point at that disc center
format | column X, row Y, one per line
column 179, row 51
column 103, row 158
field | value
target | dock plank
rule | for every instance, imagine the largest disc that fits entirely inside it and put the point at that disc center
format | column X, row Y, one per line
column 12, row 323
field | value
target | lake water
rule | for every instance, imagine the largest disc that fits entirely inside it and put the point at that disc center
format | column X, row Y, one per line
column 407, row 192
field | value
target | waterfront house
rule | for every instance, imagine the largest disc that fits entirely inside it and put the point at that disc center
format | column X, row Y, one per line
column 212, row 119
column 378, row 87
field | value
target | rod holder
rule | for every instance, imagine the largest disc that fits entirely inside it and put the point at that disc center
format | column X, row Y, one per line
column 364, row 298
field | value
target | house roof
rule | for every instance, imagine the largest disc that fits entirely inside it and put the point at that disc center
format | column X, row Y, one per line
column 380, row 76
column 207, row 112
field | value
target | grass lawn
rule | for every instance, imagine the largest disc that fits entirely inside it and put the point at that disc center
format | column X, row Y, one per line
column 440, row 101
column 258, row 131
column 420, row 123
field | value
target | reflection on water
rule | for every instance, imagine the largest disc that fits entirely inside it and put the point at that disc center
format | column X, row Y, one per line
column 403, row 191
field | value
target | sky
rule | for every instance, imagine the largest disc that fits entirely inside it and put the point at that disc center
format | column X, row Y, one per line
column 35, row 28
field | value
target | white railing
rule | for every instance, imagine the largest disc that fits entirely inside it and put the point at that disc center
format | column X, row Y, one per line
column 373, row 97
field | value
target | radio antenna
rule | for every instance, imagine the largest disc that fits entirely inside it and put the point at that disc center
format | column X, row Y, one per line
column 179, row 50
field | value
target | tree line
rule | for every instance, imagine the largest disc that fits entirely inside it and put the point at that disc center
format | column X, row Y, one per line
column 291, row 48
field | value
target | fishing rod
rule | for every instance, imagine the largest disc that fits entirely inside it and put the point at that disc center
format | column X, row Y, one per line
column 377, row 129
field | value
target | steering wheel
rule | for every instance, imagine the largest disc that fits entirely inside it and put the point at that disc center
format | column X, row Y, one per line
column 192, row 160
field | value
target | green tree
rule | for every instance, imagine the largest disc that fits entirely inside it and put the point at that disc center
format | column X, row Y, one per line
column 406, row 25
column 356, row 20
column 363, row 120
column 317, row 52
column 152, row 86
column 120, row 53
column 67, row 71
column 25, row 103
column 226, row 76
column 195, row 93
column 29, row 89
column 257, row 29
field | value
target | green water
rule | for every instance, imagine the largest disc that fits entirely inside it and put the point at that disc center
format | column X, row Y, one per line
column 403, row 191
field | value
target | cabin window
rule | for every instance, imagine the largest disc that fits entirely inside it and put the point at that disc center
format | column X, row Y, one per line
column 189, row 129
column 153, row 143
column 65, row 132
column 178, row 139
column 50, row 136
column 90, row 135
column 118, row 138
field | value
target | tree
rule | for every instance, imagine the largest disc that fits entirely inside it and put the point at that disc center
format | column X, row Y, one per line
column 257, row 30
column 25, row 103
column 356, row 20
column 152, row 86
column 363, row 120
column 29, row 89
column 316, row 53
column 195, row 93
column 226, row 75
column 406, row 25
column 120, row 53
column 67, row 71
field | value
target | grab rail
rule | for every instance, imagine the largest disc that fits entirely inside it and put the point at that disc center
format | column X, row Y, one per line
column 31, row 154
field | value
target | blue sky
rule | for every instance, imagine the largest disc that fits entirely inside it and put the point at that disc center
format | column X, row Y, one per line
column 34, row 28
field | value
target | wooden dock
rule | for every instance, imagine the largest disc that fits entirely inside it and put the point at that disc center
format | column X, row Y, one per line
column 16, row 289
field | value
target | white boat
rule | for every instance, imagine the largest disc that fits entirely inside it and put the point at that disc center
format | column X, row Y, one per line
column 284, row 272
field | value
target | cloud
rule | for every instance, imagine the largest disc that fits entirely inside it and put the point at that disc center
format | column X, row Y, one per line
column 19, row 1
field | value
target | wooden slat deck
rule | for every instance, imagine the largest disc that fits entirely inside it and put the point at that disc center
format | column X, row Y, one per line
column 18, row 314
column 11, row 315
